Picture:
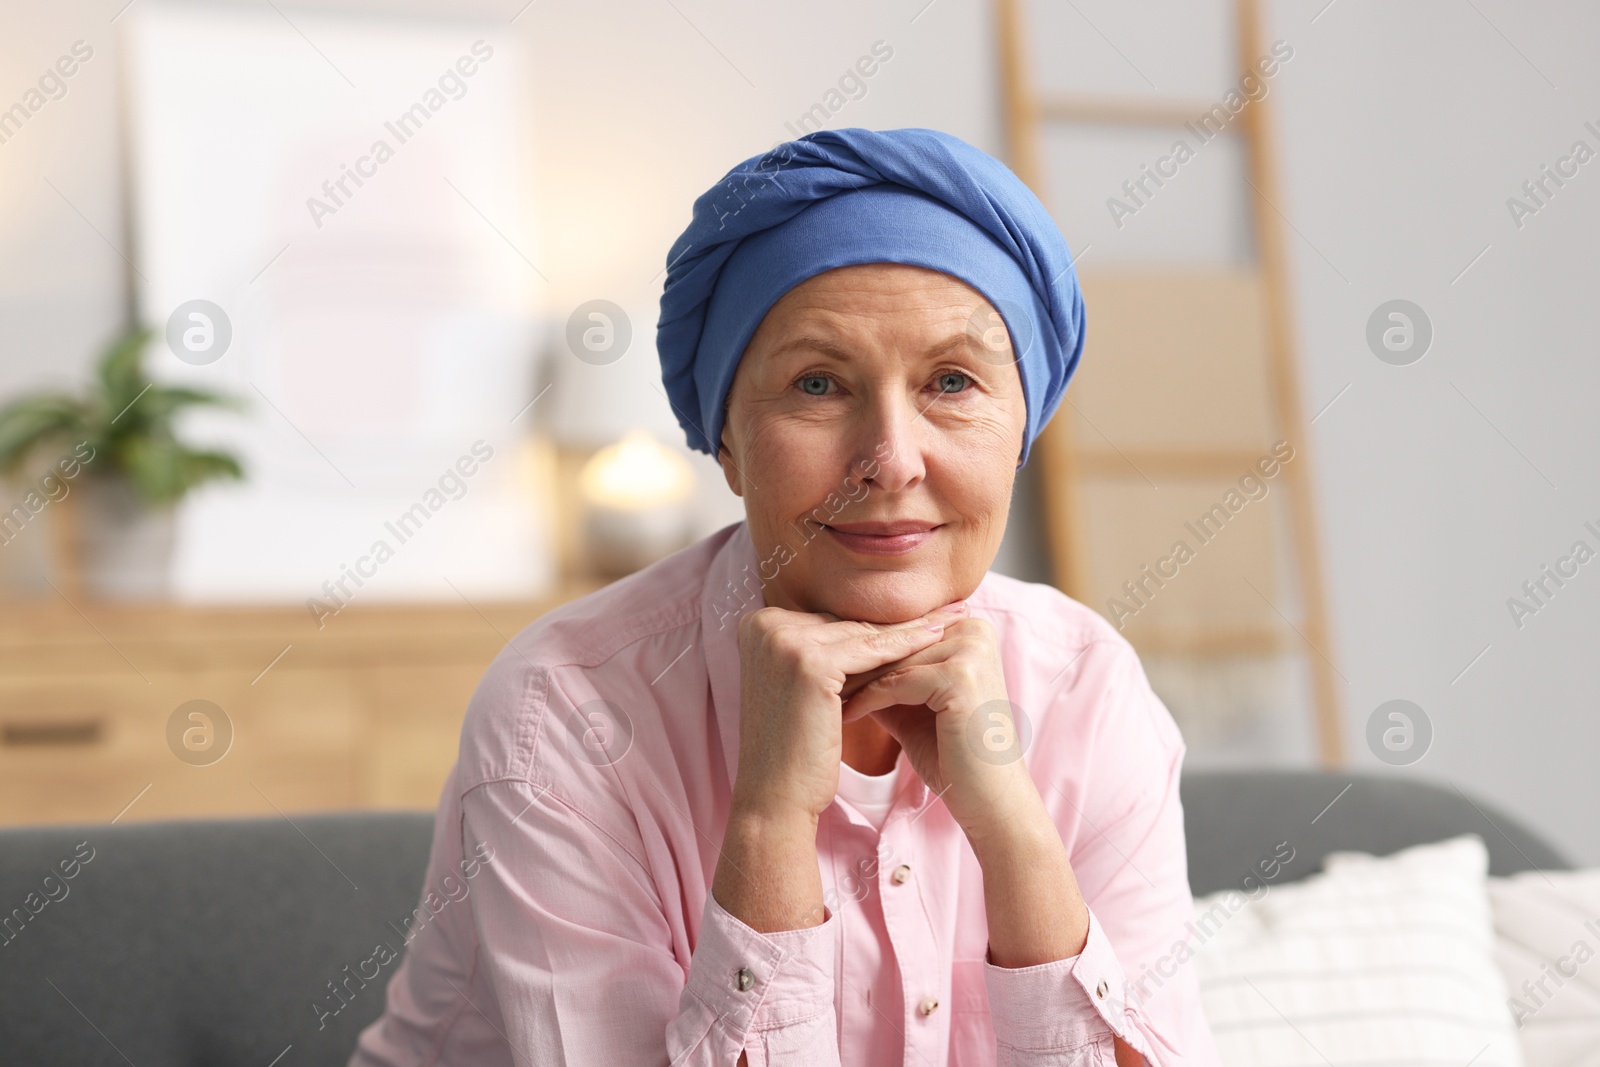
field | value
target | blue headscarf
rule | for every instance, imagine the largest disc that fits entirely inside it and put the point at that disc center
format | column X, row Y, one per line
column 838, row 198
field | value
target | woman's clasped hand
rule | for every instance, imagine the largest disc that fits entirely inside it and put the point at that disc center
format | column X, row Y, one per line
column 935, row 684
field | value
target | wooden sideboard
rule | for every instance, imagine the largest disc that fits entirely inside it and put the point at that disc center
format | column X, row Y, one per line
column 362, row 713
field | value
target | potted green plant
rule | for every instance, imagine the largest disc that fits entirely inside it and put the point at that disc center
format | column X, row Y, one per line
column 129, row 468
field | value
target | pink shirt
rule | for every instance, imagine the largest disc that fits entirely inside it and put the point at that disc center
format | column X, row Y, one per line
column 566, row 915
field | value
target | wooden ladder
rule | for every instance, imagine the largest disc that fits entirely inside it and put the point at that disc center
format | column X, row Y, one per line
column 1165, row 345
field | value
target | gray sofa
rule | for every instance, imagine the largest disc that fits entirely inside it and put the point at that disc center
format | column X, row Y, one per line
column 206, row 943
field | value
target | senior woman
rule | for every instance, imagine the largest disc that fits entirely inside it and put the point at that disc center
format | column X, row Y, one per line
column 821, row 788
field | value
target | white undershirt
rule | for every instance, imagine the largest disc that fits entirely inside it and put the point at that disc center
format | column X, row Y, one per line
column 869, row 794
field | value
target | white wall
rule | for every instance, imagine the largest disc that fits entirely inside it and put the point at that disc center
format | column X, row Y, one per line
column 63, row 285
column 1404, row 128
column 642, row 105
column 1446, row 484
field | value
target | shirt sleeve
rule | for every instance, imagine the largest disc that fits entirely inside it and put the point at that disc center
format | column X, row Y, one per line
column 770, row 994
column 1134, row 978
column 577, row 949
column 1059, row 1012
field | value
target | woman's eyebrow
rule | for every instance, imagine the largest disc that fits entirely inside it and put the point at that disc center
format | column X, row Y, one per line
column 813, row 344
column 957, row 340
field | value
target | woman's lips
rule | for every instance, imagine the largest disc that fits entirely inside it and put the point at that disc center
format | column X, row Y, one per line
column 882, row 544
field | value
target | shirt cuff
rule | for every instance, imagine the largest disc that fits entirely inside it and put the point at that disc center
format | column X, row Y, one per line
column 1061, row 1004
column 754, row 981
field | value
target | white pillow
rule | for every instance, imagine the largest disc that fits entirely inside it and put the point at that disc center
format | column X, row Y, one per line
column 1547, row 943
column 1375, row 961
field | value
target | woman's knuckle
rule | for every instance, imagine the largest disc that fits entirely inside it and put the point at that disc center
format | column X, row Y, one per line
column 750, row 629
column 787, row 643
column 808, row 658
column 762, row 619
column 962, row 672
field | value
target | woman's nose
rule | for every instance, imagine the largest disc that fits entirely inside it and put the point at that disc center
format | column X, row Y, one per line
column 890, row 455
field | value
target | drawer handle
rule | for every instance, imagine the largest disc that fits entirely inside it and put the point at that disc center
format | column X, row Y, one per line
column 40, row 734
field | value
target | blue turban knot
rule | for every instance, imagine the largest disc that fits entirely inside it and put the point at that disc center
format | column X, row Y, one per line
column 837, row 198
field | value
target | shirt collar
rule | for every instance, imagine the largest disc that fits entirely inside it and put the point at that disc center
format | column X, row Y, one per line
column 733, row 588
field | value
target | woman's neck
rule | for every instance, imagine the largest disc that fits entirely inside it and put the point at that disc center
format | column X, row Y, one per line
column 869, row 748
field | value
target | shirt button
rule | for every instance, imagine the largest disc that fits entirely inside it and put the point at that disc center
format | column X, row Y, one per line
column 901, row 874
column 1101, row 989
column 744, row 979
column 928, row 1006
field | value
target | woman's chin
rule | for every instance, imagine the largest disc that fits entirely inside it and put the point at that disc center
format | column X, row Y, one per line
column 880, row 597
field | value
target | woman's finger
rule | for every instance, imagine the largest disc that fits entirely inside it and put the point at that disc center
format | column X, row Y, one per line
column 806, row 618
column 872, row 648
column 854, row 629
column 904, row 685
column 934, row 653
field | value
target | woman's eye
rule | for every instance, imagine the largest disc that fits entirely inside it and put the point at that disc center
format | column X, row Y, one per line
column 815, row 384
column 946, row 379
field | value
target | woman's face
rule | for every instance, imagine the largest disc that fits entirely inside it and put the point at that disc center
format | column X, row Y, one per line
column 871, row 395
